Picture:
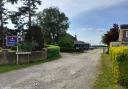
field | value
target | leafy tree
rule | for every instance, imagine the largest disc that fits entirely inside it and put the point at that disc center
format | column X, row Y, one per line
column 12, row 1
column 35, row 34
column 3, row 17
column 111, row 35
column 53, row 22
column 27, row 10
column 66, row 41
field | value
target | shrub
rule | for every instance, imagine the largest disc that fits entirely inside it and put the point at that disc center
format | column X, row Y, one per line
column 66, row 41
column 65, row 49
column 119, row 56
column 53, row 51
column 13, row 48
column 35, row 34
column 28, row 46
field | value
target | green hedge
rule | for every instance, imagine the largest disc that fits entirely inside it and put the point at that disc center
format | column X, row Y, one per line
column 53, row 51
column 119, row 56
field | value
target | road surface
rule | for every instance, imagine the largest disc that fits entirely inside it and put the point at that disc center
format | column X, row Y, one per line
column 72, row 71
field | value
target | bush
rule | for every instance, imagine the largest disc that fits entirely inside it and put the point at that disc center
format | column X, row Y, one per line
column 66, row 41
column 35, row 34
column 53, row 51
column 67, row 49
column 119, row 56
column 13, row 48
column 28, row 46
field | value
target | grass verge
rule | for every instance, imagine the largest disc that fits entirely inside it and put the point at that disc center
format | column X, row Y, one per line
column 105, row 79
column 8, row 68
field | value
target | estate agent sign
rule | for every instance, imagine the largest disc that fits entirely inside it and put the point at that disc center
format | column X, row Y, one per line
column 11, row 40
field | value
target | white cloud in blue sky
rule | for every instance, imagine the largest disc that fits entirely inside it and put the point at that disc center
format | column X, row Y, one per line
column 89, row 18
column 74, row 7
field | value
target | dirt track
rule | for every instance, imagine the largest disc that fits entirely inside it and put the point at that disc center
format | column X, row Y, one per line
column 72, row 71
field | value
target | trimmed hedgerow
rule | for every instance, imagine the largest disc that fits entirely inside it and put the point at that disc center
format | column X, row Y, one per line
column 119, row 56
column 53, row 51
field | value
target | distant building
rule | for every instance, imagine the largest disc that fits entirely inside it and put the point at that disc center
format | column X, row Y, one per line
column 123, row 36
column 123, row 33
column 80, row 45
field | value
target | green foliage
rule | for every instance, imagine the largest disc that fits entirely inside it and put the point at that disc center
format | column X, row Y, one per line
column 54, row 23
column 119, row 57
column 8, row 68
column 13, row 1
column 28, row 9
column 111, row 35
column 27, row 46
column 53, row 51
column 35, row 34
column 105, row 80
column 13, row 48
column 70, row 50
column 66, row 41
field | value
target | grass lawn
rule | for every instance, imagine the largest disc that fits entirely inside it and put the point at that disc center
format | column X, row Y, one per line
column 105, row 80
column 7, row 68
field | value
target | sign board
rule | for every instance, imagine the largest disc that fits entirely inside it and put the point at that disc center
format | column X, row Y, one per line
column 11, row 40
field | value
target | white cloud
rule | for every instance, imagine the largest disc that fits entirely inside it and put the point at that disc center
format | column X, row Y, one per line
column 98, row 30
column 75, row 7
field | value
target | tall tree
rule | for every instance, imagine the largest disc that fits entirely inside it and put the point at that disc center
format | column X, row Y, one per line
column 35, row 34
column 4, row 17
column 27, row 10
column 13, row 1
column 53, row 22
column 111, row 35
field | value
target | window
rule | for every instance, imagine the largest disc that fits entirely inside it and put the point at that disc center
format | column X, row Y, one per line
column 126, row 34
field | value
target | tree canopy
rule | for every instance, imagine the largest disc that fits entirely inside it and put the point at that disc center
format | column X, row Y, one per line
column 35, row 34
column 111, row 35
column 26, row 11
column 66, row 41
column 53, row 22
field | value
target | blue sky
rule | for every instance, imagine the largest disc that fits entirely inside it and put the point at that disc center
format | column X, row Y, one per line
column 89, row 19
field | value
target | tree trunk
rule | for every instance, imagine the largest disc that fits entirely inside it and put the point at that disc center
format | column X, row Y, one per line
column 1, row 23
column 29, row 23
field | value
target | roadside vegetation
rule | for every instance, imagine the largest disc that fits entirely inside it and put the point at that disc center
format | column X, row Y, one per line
column 119, row 56
column 105, row 79
column 12, row 67
column 53, row 54
column 0, row 49
column 53, row 51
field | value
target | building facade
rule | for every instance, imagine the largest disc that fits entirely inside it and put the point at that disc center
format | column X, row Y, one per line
column 123, row 36
column 123, row 33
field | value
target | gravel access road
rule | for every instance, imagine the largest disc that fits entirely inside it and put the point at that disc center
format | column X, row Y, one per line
column 72, row 71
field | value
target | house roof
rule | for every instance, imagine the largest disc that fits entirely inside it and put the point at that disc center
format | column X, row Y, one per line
column 124, row 26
